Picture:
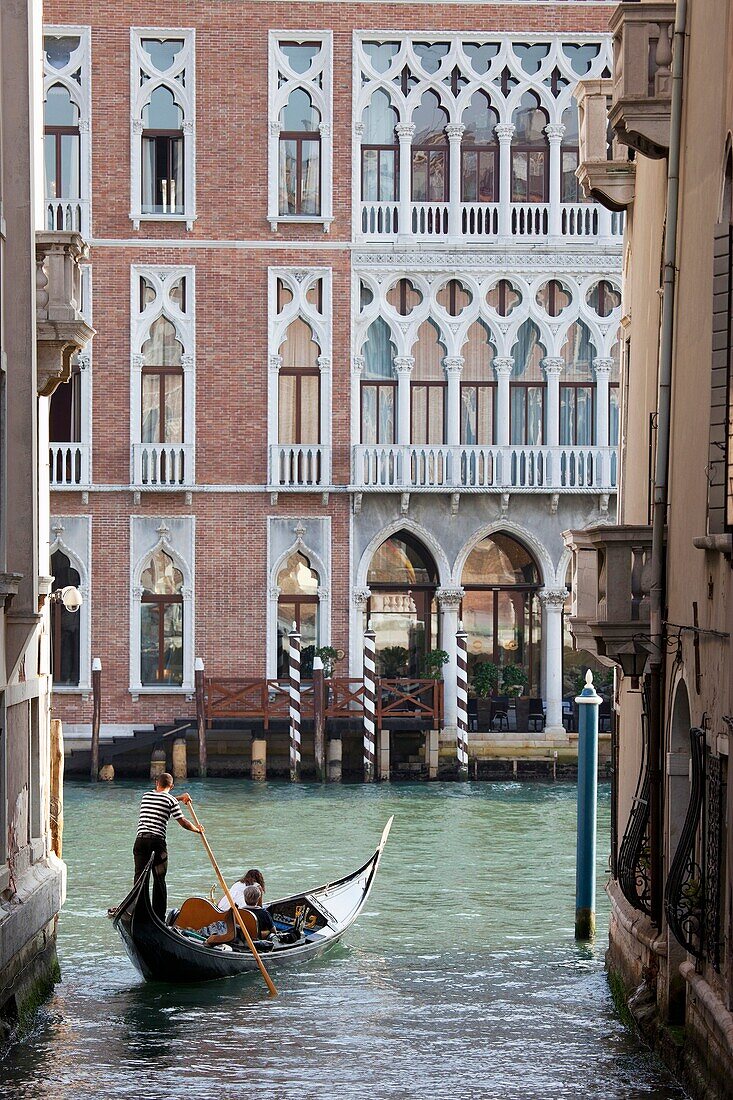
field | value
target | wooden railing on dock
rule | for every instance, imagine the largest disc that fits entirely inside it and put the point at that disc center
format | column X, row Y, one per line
column 269, row 700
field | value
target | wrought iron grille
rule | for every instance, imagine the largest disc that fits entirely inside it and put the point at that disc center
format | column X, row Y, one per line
column 684, row 901
column 634, row 866
column 713, row 851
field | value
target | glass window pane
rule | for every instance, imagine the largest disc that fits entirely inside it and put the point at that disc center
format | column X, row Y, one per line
column 518, row 401
column 310, row 178
column 173, row 409
column 59, row 109
column 519, row 177
column 368, row 414
column 160, row 577
column 419, row 414
column 487, row 177
column 386, row 414
column 162, row 53
column 613, row 416
column 299, row 55
column 299, row 115
column 162, row 348
column 387, row 175
column 469, row 415
column 148, row 643
column 435, row 415
column 148, row 176
column 288, row 177
column 567, row 415
column 286, row 409
column 419, row 175
column 534, row 416
column 161, row 112
column 469, row 189
column 173, row 643
column 485, row 426
column 369, row 168
column 49, row 158
column 308, row 624
column 175, row 184
column 570, row 187
column 59, row 49
column 478, row 622
column 285, row 618
column 584, row 402
column 537, row 177
column 309, row 409
column 297, row 578
column 150, row 428
column 437, row 176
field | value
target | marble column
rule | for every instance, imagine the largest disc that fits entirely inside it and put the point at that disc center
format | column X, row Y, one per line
column 555, row 133
column 503, row 367
column 403, row 365
column 449, row 602
column 405, row 132
column 357, row 370
column 504, row 133
column 603, row 369
column 553, row 601
column 553, row 367
column 454, row 130
column 453, row 366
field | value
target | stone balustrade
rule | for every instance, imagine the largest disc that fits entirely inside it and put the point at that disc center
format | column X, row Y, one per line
column 61, row 330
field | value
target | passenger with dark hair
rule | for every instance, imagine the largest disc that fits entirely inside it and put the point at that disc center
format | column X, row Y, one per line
column 253, row 877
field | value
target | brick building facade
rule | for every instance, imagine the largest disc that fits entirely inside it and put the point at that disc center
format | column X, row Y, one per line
column 310, row 227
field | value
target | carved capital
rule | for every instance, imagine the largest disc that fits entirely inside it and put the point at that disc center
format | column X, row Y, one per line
column 136, row 360
column 83, row 125
column 405, row 131
column 603, row 366
column 359, row 129
column 358, row 362
column 555, row 132
column 274, row 593
column 275, row 362
column 449, row 599
column 325, row 129
column 324, row 362
column 137, row 126
column 403, row 364
column 504, row 132
column 187, row 126
column 137, row 591
column 324, row 594
column 84, row 360
column 553, row 366
column 275, row 128
column 503, row 365
column 453, row 364
column 553, row 598
column 454, row 131
column 187, row 362
column 360, row 596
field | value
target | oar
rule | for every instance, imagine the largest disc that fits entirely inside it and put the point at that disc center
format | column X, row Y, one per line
column 235, row 912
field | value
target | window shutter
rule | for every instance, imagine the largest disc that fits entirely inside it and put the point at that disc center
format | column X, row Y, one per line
column 718, row 474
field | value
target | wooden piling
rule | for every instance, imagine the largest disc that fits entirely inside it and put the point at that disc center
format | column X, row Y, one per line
column 335, row 753
column 57, row 786
column 180, row 761
column 319, row 717
column 157, row 763
column 96, row 718
column 259, row 759
column 198, row 673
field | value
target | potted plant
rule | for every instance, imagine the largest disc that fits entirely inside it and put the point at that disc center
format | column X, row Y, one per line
column 433, row 663
column 485, row 680
column 329, row 656
column 393, row 661
column 515, row 680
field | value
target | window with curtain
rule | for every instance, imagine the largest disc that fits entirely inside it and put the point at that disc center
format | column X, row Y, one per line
column 570, row 189
column 380, row 151
column 503, row 297
column 404, row 297
column 527, row 388
column 299, row 382
column 61, row 144
column 378, row 386
column 161, row 622
column 428, row 387
column 614, row 392
column 603, row 298
column 297, row 604
column 299, row 176
column 577, row 389
column 553, row 297
column 478, row 387
column 162, row 154
column 430, row 151
column 453, row 296
column 162, row 385
column 530, row 152
column 479, row 151
column 65, row 649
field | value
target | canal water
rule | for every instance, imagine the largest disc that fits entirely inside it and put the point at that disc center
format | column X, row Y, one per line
column 460, row 979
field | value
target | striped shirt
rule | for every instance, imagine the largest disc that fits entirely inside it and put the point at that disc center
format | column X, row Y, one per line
column 156, row 807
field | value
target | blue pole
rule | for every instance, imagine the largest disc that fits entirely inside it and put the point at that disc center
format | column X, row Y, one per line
column 585, row 862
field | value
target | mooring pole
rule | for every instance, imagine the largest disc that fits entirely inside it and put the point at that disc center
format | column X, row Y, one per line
column 96, row 717
column 199, row 686
column 294, row 669
column 585, row 863
column 462, row 701
column 370, row 702
column 319, row 718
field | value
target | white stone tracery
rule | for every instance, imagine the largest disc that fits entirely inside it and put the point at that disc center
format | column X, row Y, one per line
column 75, row 77
column 317, row 81
column 163, row 280
column 180, row 80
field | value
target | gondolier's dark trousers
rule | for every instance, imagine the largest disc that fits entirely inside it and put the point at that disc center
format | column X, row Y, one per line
column 144, row 846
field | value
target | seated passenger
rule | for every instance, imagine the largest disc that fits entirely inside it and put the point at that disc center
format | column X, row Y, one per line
column 252, row 902
column 252, row 877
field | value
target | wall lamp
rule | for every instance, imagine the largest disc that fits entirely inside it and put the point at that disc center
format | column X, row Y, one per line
column 69, row 596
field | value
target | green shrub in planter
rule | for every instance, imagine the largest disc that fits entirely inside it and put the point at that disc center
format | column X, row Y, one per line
column 514, row 680
column 433, row 663
column 485, row 678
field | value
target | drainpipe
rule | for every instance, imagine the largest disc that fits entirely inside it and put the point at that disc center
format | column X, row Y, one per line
column 657, row 593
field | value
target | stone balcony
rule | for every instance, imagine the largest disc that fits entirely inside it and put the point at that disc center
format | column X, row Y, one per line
column 299, row 466
column 605, row 172
column 610, row 587
column 69, row 466
column 163, row 466
column 642, row 76
column 444, row 468
column 61, row 330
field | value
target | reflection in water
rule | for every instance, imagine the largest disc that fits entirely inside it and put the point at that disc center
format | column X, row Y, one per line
column 461, row 978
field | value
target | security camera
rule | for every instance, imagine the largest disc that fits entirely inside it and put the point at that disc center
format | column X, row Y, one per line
column 71, row 598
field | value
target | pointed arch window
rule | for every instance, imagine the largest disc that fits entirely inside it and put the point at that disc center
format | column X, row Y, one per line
column 478, row 388
column 380, row 151
column 162, row 385
column 162, row 154
column 530, row 152
column 61, row 145
column 614, row 396
column 378, row 385
column 479, row 151
column 428, row 387
column 577, row 389
column 402, row 607
column 299, row 397
column 430, row 151
column 297, row 604
column 161, row 622
column 300, row 156
column 65, row 625
column 527, row 388
column 570, row 189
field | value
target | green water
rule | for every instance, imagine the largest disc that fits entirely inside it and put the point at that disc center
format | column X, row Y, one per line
column 460, row 979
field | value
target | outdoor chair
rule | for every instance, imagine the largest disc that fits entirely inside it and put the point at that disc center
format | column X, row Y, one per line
column 500, row 712
column 536, row 713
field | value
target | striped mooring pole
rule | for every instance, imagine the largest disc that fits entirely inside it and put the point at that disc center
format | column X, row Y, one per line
column 585, row 861
column 370, row 700
column 462, row 699
column 294, row 668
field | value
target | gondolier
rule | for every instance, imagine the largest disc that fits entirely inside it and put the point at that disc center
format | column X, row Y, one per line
column 156, row 809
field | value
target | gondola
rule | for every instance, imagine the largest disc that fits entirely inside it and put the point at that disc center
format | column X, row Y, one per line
column 308, row 924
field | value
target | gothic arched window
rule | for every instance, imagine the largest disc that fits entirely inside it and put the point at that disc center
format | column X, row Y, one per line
column 300, row 155
column 65, row 649
column 161, row 622
column 297, row 604
column 530, row 152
